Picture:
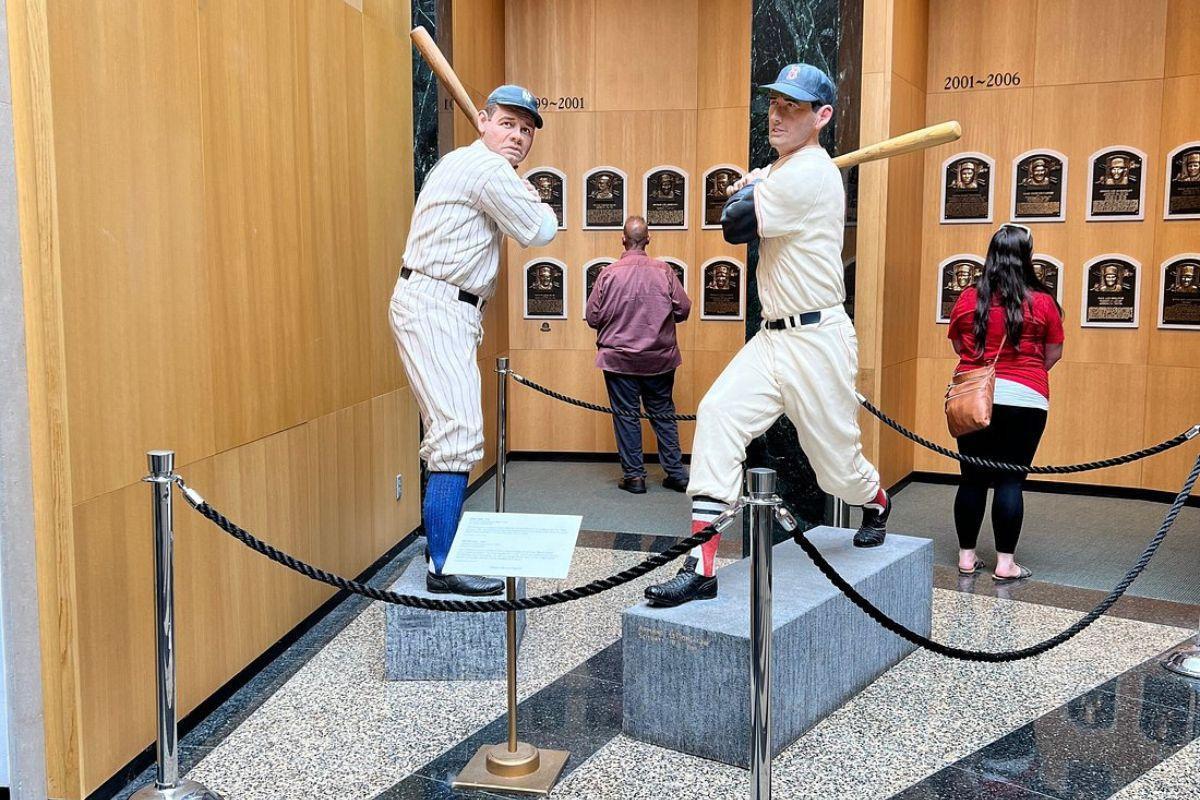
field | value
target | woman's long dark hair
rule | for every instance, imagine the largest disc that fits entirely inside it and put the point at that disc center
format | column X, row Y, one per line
column 1007, row 273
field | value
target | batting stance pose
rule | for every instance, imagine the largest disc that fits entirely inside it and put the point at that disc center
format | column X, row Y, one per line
column 804, row 361
column 471, row 199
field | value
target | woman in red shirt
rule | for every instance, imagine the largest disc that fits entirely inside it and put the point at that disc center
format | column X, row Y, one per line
column 1012, row 312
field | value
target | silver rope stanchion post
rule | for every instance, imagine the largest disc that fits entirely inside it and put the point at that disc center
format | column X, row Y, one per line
column 167, row 785
column 1185, row 659
column 837, row 512
column 760, row 488
column 514, row 766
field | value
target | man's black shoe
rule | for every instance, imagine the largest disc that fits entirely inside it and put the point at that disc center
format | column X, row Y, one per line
column 633, row 485
column 874, row 526
column 675, row 484
column 462, row 584
column 687, row 585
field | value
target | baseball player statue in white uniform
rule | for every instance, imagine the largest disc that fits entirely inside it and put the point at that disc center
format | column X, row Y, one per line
column 804, row 361
column 471, row 200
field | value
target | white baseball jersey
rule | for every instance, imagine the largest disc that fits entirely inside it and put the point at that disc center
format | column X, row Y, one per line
column 470, row 200
column 801, row 210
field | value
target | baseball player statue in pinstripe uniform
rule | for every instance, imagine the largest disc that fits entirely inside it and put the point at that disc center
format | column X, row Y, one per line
column 471, row 200
column 804, row 361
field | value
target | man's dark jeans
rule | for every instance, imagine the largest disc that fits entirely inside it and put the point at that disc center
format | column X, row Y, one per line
column 630, row 393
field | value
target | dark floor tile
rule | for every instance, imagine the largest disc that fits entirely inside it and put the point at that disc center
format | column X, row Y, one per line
column 416, row 787
column 606, row 665
column 955, row 784
column 1088, row 749
column 1150, row 682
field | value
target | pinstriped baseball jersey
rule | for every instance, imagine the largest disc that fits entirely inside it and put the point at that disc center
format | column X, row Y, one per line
column 471, row 199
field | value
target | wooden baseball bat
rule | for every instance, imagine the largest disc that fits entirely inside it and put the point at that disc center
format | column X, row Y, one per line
column 942, row 133
column 445, row 73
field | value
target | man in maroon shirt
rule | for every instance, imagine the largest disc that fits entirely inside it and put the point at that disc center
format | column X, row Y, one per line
column 634, row 307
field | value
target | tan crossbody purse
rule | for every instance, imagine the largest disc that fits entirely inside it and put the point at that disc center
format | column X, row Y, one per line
column 969, row 398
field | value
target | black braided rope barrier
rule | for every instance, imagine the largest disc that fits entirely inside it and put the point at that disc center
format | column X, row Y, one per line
column 539, row 601
column 961, row 654
column 574, row 401
column 998, row 466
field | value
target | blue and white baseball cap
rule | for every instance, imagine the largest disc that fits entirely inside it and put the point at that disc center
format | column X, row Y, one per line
column 517, row 97
column 804, row 82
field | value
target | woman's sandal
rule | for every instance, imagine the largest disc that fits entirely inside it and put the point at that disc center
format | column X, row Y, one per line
column 966, row 573
column 1022, row 575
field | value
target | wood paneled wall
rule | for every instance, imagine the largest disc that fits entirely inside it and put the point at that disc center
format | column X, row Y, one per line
column 214, row 200
column 1116, row 390
column 662, row 83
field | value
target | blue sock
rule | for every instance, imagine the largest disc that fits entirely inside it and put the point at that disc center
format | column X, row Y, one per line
column 444, row 496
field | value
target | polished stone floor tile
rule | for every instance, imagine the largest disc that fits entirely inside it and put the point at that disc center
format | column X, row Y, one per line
column 1177, row 778
column 955, row 784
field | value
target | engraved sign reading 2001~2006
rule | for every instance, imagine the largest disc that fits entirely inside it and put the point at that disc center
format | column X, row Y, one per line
column 1117, row 191
column 604, row 199
column 545, row 289
column 1110, row 292
column 666, row 197
column 717, row 181
column 956, row 275
column 551, row 187
column 967, row 188
column 1179, row 301
column 1039, row 186
column 1183, row 183
column 721, row 292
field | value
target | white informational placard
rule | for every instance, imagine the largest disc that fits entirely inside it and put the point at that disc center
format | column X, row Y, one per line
column 514, row 545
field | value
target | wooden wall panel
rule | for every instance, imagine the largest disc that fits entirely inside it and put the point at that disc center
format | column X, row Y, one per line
column 563, row 65
column 910, row 41
column 1070, row 33
column 478, row 43
column 662, row 39
column 723, row 56
column 898, row 385
column 975, row 37
column 1182, row 55
column 131, row 225
column 1173, row 409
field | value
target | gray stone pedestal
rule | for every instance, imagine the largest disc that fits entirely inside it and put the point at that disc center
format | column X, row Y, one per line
column 687, row 669
column 440, row 645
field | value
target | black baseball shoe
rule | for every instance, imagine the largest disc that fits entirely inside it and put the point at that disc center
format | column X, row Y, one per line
column 687, row 585
column 874, row 524
column 462, row 584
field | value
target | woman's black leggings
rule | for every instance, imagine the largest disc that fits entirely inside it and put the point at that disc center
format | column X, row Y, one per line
column 1012, row 438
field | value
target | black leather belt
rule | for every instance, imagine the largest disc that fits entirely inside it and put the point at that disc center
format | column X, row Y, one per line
column 807, row 318
column 464, row 296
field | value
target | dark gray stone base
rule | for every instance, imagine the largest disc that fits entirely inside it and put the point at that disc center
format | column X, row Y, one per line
column 439, row 645
column 687, row 669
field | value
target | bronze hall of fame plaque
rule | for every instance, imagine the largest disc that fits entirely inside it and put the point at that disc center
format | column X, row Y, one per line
column 591, row 271
column 545, row 289
column 666, row 197
column 1039, row 186
column 1116, row 191
column 722, row 295
column 955, row 275
column 1179, row 295
column 1110, row 292
column 680, row 270
column 1049, row 271
column 1183, row 183
column 604, row 190
column 967, row 188
column 717, row 180
column 551, row 187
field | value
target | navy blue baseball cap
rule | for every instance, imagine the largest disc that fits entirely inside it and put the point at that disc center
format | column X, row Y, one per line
column 803, row 82
column 517, row 97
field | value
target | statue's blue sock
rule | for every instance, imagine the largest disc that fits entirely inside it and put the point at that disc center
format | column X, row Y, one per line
column 444, row 496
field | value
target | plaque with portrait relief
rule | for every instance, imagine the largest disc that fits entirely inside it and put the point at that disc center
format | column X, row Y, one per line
column 591, row 271
column 1049, row 271
column 955, row 275
column 1179, row 293
column 722, row 291
column 665, row 197
column 967, row 188
column 551, row 186
column 1039, row 186
column 1182, row 199
column 1110, row 292
column 717, row 181
column 680, row 270
column 545, row 289
column 604, row 190
column 1116, row 189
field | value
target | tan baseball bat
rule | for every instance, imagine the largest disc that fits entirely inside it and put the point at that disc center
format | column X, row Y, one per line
column 445, row 73
column 942, row 133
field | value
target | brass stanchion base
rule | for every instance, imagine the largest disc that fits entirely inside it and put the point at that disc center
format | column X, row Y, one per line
column 527, row 770
column 1184, row 661
column 185, row 790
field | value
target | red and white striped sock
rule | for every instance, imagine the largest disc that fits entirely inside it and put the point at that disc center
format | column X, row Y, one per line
column 704, row 511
